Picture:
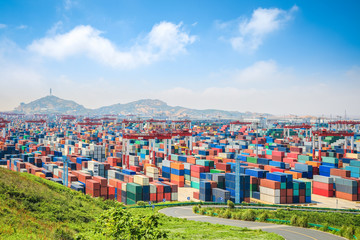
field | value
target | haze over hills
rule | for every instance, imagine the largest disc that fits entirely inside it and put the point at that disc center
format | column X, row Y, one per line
column 141, row 108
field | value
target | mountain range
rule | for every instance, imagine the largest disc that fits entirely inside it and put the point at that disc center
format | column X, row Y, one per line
column 141, row 108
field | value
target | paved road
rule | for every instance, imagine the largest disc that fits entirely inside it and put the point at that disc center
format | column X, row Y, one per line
column 288, row 232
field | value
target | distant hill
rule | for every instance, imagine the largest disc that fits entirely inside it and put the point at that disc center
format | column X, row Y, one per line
column 151, row 107
column 52, row 104
column 141, row 108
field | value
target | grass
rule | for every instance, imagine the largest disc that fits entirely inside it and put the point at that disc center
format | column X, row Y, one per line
column 34, row 208
column 179, row 228
column 347, row 223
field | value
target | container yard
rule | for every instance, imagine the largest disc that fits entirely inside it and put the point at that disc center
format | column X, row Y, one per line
column 160, row 161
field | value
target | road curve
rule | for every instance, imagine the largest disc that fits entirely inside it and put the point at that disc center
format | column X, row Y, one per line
column 288, row 232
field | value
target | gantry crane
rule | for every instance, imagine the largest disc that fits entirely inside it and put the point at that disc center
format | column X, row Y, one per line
column 186, row 123
column 4, row 125
column 305, row 126
column 326, row 133
column 152, row 136
column 155, row 123
column 42, row 121
column 88, row 124
column 343, row 125
column 126, row 122
column 235, row 123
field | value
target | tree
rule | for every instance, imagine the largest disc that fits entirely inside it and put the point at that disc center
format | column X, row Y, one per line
column 117, row 223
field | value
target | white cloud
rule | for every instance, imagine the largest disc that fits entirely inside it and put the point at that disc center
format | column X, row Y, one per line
column 68, row 4
column 163, row 41
column 2, row 25
column 250, row 33
column 353, row 74
column 261, row 71
column 269, row 88
column 22, row 27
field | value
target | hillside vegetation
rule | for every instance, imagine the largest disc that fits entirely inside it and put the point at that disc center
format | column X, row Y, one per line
column 34, row 208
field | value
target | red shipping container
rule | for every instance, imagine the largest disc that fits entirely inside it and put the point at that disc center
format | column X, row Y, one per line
column 159, row 197
column 101, row 180
column 110, row 190
column 153, row 197
column 325, row 186
column 93, row 185
column 167, row 196
column 322, row 192
column 103, row 191
column 269, row 184
column 196, row 195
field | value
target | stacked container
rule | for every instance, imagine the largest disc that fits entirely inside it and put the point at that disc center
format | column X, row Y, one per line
column 177, row 173
column 323, row 186
column 346, row 189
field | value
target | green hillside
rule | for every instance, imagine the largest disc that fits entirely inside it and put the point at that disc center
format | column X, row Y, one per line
column 34, row 208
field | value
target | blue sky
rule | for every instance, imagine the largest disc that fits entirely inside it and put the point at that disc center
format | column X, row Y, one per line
column 280, row 57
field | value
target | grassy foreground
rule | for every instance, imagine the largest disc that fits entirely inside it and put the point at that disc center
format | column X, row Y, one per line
column 179, row 228
column 348, row 224
column 34, row 208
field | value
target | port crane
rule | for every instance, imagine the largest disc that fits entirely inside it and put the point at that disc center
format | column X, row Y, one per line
column 308, row 130
column 325, row 133
column 151, row 136
column 345, row 125
column 238, row 123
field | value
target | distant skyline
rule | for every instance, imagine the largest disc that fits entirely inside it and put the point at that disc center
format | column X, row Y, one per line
column 278, row 57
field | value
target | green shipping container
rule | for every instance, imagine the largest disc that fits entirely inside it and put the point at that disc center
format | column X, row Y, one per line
column 252, row 160
column 195, row 185
column 330, row 160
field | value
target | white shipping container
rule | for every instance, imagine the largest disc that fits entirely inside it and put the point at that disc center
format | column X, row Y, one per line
column 269, row 191
column 269, row 199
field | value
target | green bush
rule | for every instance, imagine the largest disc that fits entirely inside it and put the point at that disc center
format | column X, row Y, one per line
column 303, row 222
column 202, row 211
column 118, row 223
column 325, row 227
column 227, row 214
column 342, row 231
column 350, row 232
column 63, row 234
column 249, row 215
column 237, row 215
column 230, row 204
column 263, row 216
column 294, row 220
column 195, row 209
column 141, row 203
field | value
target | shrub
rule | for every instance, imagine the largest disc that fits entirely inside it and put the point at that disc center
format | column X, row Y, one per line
column 141, row 203
column 325, row 227
column 195, row 209
column 230, row 204
column 237, row 215
column 350, row 232
column 227, row 214
column 294, row 220
column 63, row 234
column 342, row 231
column 263, row 217
column 249, row 215
column 118, row 223
column 303, row 222
column 202, row 211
